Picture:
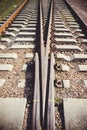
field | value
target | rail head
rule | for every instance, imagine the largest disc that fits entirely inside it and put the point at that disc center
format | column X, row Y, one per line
column 45, row 63
column 50, row 110
column 36, row 97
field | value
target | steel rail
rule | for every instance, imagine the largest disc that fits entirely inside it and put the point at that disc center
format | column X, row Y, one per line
column 11, row 18
column 50, row 108
column 36, row 99
column 41, row 31
column 45, row 76
column 44, row 69
column 42, row 57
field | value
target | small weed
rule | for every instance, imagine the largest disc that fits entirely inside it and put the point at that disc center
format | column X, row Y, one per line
column 58, row 101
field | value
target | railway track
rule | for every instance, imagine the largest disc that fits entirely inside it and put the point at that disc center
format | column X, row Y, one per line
column 43, row 57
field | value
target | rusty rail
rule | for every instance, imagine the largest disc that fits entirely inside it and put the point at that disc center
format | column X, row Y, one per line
column 50, row 108
column 11, row 18
column 36, row 99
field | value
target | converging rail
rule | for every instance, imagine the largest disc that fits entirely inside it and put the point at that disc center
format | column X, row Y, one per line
column 36, row 99
column 11, row 18
column 46, row 97
column 45, row 59
column 50, row 107
column 42, row 53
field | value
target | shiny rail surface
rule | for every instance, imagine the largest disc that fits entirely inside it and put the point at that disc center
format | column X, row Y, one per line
column 42, row 52
column 36, row 99
column 50, row 108
column 44, row 60
column 46, row 56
